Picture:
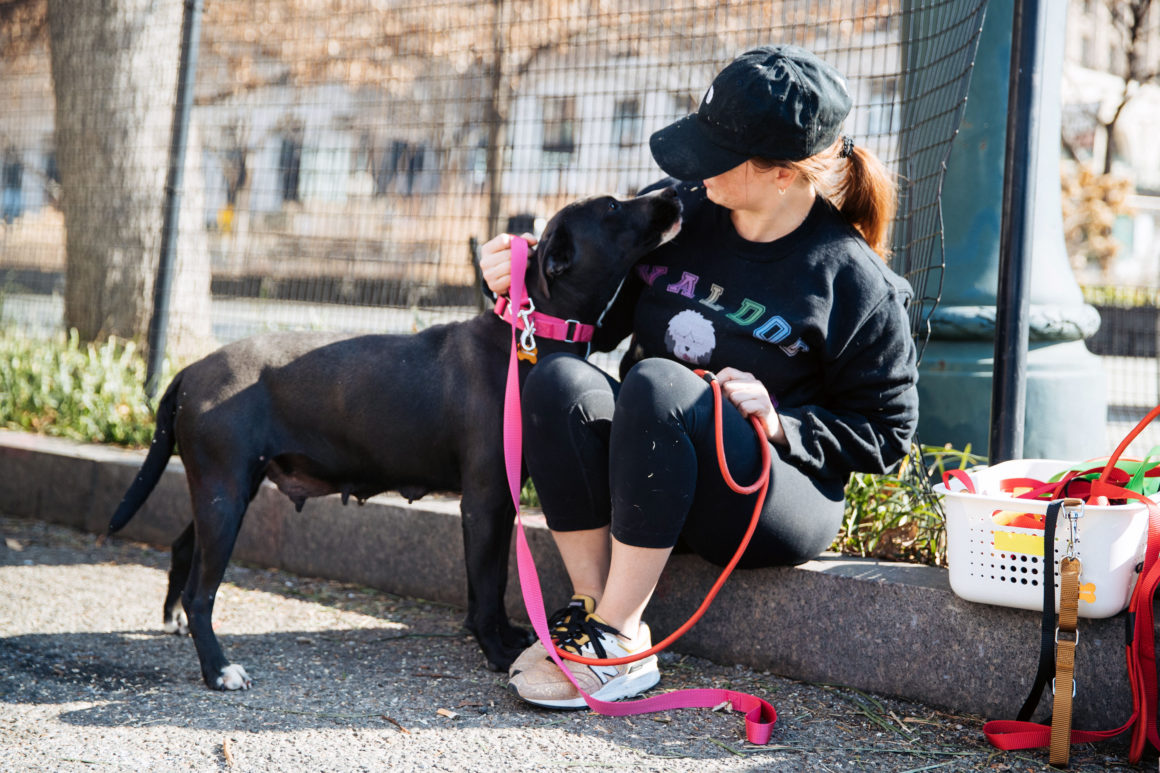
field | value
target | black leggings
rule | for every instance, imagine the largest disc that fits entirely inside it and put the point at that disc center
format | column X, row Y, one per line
column 641, row 456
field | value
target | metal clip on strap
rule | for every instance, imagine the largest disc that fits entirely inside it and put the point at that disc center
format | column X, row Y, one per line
column 1063, row 685
column 528, row 337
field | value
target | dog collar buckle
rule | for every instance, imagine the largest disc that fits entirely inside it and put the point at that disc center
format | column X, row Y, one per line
column 571, row 330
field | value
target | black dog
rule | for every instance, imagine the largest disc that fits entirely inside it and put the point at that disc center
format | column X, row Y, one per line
column 320, row 414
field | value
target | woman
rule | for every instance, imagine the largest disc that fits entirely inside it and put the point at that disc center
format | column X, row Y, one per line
column 777, row 283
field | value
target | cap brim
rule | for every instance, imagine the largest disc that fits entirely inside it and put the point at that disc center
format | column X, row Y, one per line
column 684, row 151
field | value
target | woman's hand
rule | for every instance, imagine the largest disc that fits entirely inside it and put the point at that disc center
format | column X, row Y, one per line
column 495, row 262
column 752, row 399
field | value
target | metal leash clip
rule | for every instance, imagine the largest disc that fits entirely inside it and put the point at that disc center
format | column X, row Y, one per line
column 1073, row 511
column 528, row 338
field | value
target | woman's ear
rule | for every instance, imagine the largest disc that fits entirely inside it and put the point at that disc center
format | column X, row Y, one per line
column 784, row 177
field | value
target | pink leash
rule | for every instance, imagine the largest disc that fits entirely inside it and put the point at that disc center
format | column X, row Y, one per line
column 760, row 716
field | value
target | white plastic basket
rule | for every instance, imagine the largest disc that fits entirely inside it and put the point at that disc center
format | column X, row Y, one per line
column 998, row 564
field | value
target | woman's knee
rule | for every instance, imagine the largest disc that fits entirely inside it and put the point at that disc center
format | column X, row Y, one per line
column 558, row 378
column 665, row 386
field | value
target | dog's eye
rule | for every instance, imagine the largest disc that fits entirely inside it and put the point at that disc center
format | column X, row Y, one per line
column 613, row 205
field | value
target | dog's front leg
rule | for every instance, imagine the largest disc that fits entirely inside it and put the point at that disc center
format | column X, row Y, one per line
column 487, row 530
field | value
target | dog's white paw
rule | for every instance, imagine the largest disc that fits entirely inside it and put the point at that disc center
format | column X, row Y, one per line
column 234, row 677
column 177, row 623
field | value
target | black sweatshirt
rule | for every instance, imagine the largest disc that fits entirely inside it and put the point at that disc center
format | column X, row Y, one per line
column 816, row 316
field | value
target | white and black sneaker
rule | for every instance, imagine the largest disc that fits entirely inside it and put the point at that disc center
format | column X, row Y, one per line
column 543, row 684
column 579, row 607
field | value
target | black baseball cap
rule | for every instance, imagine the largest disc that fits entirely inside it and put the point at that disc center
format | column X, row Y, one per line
column 778, row 102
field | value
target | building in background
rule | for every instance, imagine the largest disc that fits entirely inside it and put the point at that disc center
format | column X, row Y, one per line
column 1112, row 199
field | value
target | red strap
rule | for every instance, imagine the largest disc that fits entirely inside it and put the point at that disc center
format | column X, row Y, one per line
column 1009, row 734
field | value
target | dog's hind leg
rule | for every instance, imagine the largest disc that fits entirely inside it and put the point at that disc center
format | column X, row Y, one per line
column 173, row 616
column 218, row 518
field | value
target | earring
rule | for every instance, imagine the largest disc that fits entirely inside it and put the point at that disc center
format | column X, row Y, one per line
column 781, row 191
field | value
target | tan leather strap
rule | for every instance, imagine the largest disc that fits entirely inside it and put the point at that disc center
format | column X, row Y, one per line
column 1066, row 640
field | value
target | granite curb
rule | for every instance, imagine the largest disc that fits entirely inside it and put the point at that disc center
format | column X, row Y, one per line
column 888, row 628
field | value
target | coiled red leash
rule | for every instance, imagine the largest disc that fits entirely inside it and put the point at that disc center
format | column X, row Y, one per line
column 760, row 716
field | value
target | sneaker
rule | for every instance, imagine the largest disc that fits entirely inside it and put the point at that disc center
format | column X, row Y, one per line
column 580, row 606
column 543, row 684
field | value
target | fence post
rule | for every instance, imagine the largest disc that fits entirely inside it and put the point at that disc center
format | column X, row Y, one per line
column 1064, row 389
column 1020, row 176
column 187, row 69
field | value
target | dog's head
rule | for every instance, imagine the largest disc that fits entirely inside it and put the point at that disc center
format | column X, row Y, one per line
column 589, row 245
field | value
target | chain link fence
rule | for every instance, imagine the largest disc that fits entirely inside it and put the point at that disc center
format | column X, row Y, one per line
column 347, row 156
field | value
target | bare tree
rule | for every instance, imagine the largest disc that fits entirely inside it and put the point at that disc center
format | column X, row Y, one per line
column 1135, row 25
column 114, row 68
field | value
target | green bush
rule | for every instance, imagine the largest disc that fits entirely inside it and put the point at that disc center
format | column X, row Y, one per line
column 895, row 516
column 83, row 391
column 1120, row 296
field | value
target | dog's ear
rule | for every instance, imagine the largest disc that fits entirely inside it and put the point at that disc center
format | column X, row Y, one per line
column 553, row 257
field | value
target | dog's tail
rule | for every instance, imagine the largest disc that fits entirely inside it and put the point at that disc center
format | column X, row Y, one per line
column 156, row 460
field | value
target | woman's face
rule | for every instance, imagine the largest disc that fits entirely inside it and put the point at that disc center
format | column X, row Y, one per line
column 743, row 188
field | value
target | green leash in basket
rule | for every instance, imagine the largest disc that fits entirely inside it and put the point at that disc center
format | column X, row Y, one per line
column 1144, row 476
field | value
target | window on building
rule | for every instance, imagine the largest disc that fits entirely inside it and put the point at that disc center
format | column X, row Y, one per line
column 559, row 124
column 51, row 170
column 290, row 167
column 11, row 191
column 403, row 170
column 626, row 122
column 882, row 112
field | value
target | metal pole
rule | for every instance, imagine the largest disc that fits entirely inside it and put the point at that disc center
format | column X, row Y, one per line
column 1008, row 394
column 187, row 69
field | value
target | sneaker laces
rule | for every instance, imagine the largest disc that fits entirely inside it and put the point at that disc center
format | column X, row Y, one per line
column 589, row 629
column 558, row 622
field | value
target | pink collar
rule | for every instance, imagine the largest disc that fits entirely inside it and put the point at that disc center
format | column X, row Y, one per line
column 554, row 328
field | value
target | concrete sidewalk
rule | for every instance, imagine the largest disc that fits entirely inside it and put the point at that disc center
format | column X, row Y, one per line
column 891, row 629
column 347, row 678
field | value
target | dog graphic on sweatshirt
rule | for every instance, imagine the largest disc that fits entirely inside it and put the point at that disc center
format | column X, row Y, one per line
column 691, row 338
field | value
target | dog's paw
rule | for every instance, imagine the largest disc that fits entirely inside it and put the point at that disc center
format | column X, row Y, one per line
column 177, row 623
column 516, row 638
column 233, row 677
column 503, row 660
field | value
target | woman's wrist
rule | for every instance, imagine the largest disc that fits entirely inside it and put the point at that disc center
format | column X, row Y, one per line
column 774, row 431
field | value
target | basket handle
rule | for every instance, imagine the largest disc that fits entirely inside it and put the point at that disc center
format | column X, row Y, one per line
column 962, row 477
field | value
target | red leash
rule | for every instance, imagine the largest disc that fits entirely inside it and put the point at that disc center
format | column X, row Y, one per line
column 760, row 716
column 761, row 485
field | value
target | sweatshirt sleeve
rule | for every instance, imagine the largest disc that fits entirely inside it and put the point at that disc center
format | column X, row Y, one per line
column 870, row 407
